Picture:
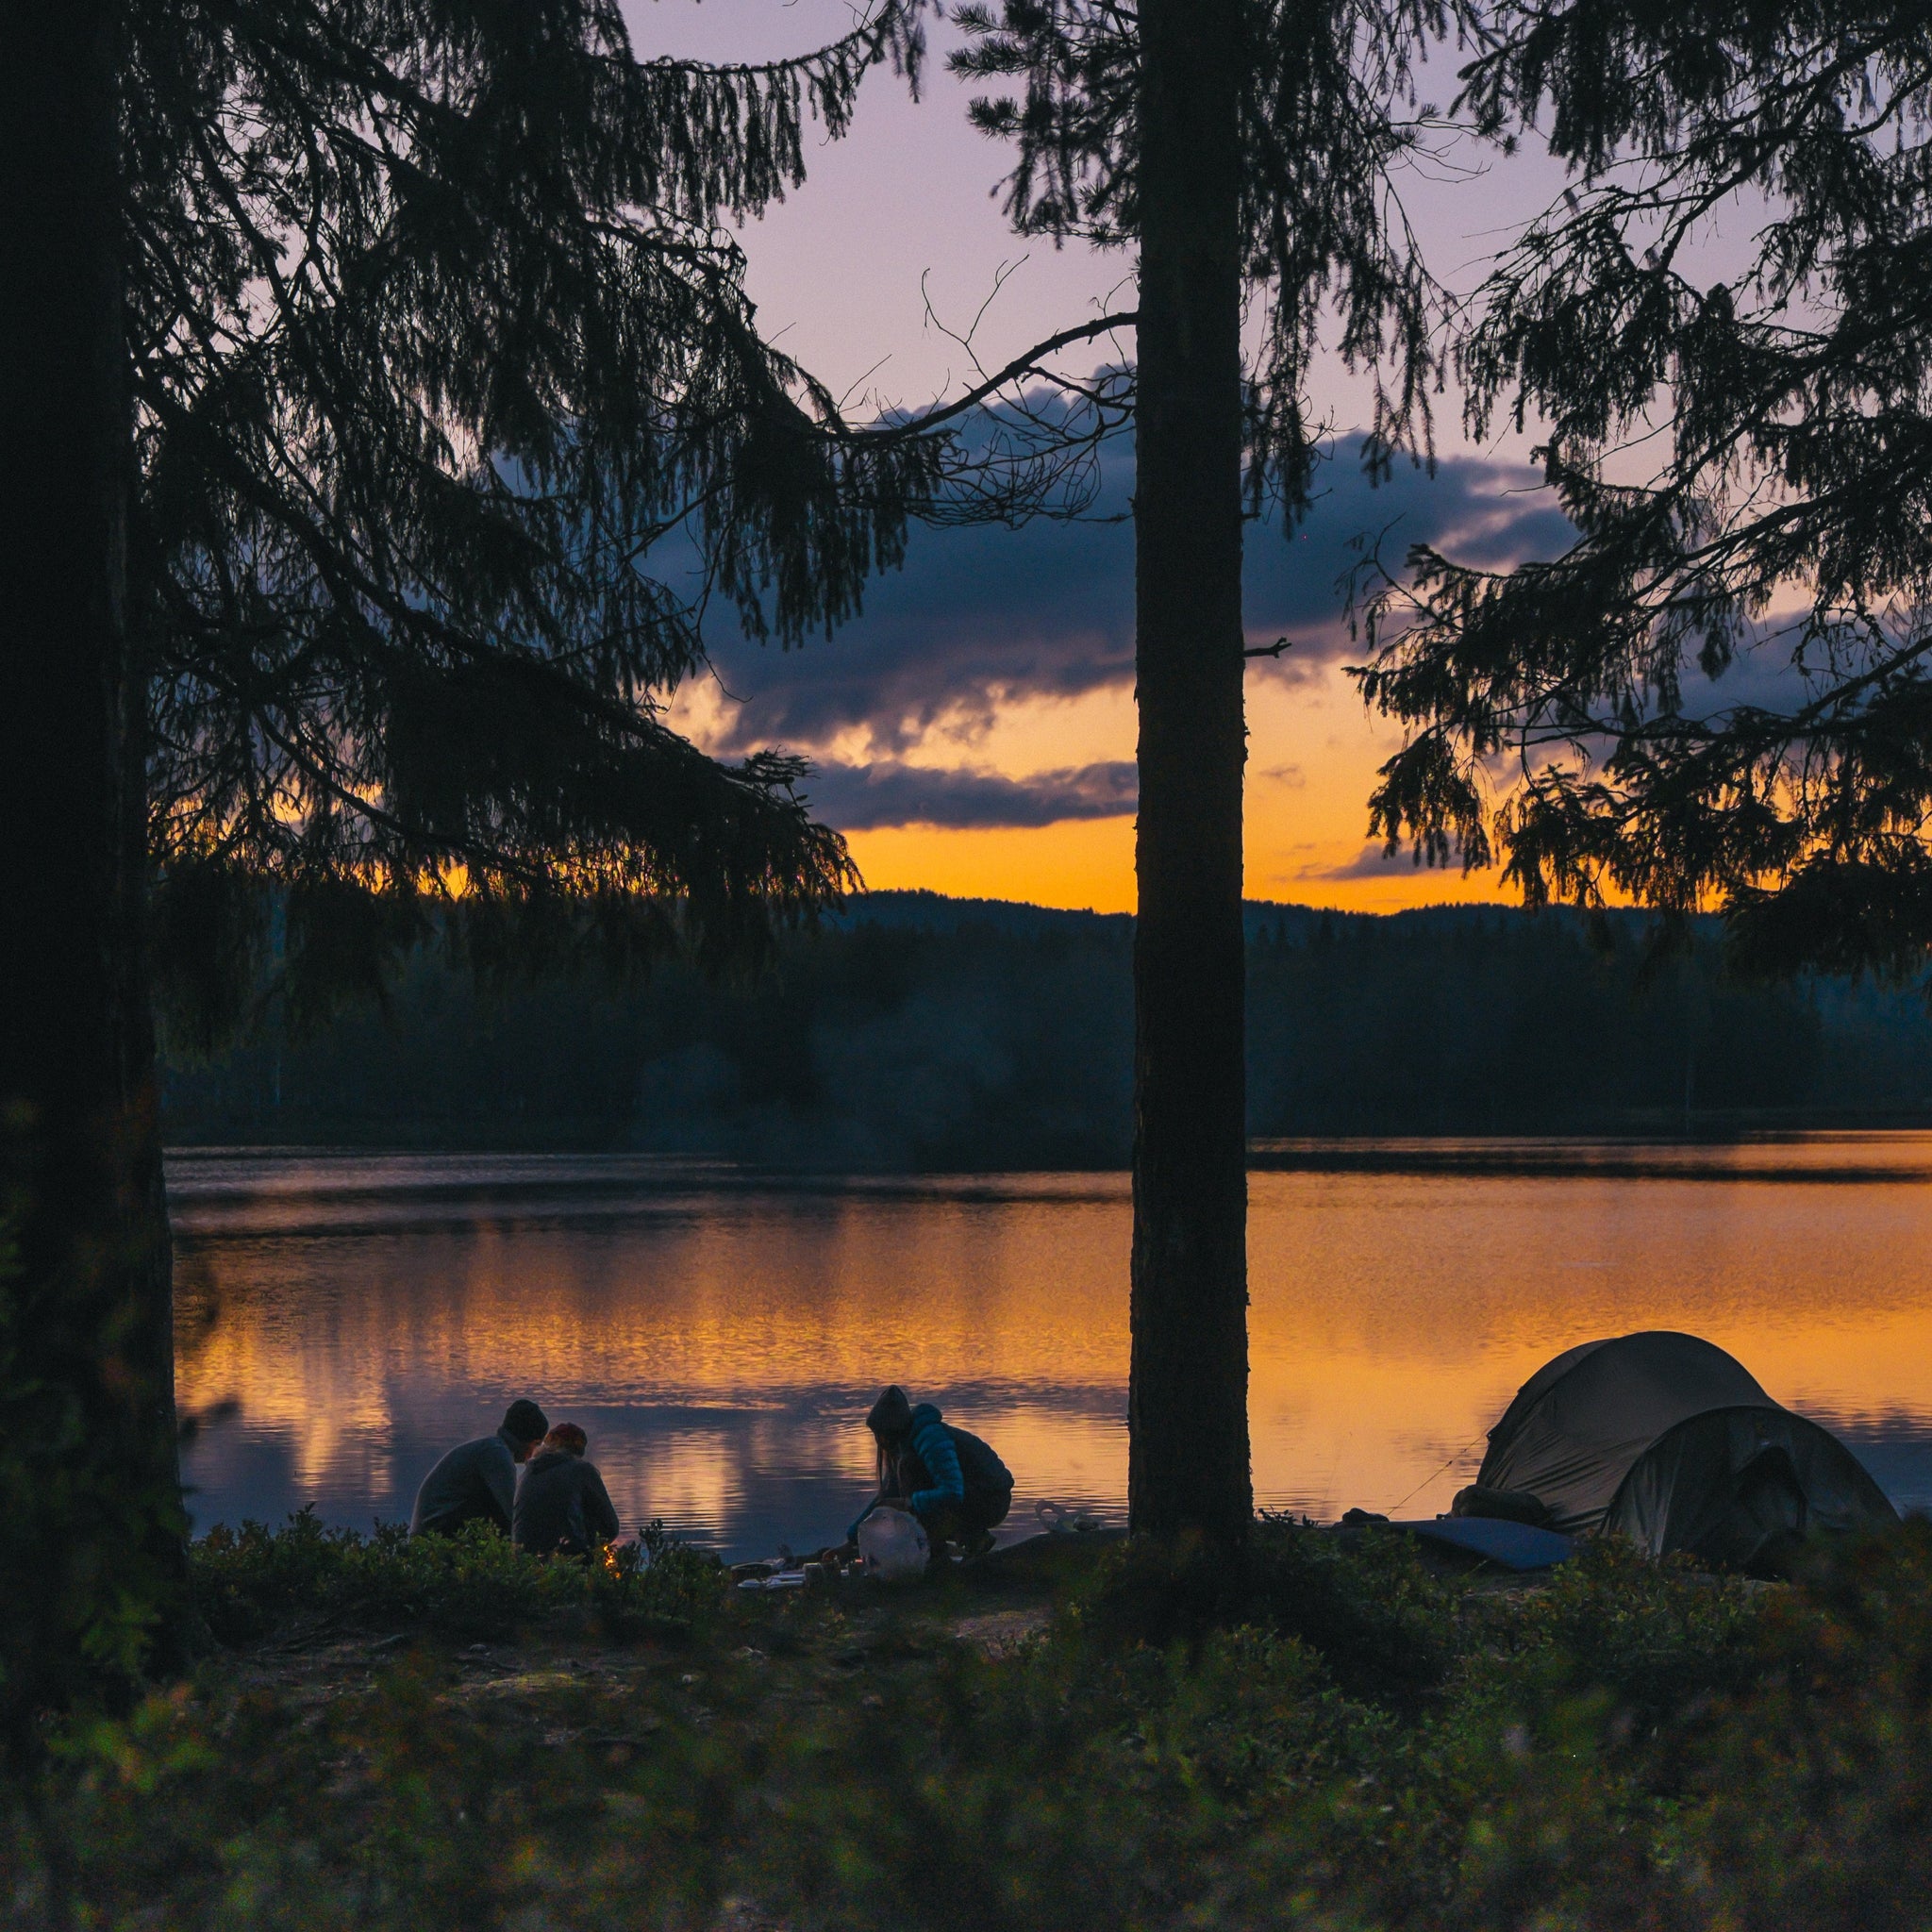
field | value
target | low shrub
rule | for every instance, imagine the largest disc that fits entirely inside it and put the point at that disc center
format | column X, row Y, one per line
column 1073, row 1785
column 474, row 1584
column 1632, row 1746
column 1383, row 1625
column 393, row 1809
column 1808, row 1785
column 1629, row 1748
column 1656, row 1636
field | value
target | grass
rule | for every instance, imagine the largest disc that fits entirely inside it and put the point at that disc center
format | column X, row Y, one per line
column 1330, row 1735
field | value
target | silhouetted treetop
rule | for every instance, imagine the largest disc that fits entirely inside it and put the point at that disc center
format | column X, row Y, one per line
column 1323, row 232
column 1717, row 695
column 452, row 416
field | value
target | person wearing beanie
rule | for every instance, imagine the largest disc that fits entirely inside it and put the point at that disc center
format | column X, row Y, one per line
column 477, row 1481
column 948, row 1478
column 563, row 1506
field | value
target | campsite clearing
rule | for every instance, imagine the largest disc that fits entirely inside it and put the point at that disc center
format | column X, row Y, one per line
column 1077, row 1735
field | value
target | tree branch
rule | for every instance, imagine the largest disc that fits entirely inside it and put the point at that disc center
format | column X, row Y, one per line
column 1024, row 364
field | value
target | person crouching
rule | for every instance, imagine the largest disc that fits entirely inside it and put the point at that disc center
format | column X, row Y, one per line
column 948, row 1478
column 562, row 1506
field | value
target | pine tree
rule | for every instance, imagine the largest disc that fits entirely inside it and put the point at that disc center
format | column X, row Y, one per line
column 361, row 358
column 1717, row 695
column 1245, row 147
column 89, row 1507
column 1188, row 1382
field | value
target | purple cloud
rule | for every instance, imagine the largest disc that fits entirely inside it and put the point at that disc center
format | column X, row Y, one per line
column 861, row 798
column 1370, row 863
column 983, row 617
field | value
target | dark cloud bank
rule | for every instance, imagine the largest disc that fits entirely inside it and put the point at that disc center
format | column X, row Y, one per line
column 979, row 618
column 858, row 798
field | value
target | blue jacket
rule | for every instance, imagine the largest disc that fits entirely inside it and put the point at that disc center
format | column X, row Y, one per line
column 934, row 1447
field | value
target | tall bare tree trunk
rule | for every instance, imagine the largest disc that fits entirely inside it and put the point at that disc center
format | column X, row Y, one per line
column 90, row 1496
column 1187, row 1402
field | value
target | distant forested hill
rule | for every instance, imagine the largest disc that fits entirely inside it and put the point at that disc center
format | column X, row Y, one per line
column 922, row 1032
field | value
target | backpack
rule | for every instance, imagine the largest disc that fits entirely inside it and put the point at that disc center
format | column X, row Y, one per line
column 981, row 1471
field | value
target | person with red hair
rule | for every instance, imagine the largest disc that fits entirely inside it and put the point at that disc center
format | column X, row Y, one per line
column 563, row 1506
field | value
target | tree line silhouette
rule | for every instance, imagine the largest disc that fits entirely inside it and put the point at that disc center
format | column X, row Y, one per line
column 919, row 1033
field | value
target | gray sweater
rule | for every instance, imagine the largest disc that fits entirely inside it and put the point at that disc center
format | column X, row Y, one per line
column 562, row 1504
column 475, row 1483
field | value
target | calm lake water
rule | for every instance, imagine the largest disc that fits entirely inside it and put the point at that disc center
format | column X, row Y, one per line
column 345, row 1317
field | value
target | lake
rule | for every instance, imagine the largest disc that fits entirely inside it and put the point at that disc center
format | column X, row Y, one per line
column 345, row 1317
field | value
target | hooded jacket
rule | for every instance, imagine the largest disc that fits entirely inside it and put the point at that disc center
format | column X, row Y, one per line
column 561, row 1505
column 932, row 1442
column 928, row 1457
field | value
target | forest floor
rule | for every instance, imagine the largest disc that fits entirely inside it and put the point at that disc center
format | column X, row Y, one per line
column 1076, row 1733
column 770, row 1657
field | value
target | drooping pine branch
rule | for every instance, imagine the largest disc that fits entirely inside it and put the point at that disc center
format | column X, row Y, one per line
column 1329, row 117
column 454, row 417
column 1717, row 695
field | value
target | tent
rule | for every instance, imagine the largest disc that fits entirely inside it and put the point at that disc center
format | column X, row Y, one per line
column 1667, row 1440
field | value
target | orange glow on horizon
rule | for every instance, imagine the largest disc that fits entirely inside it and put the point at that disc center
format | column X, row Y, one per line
column 1080, row 865
column 1087, row 866
column 1313, row 752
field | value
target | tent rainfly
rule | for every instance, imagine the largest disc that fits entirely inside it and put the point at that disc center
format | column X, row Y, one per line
column 1667, row 1440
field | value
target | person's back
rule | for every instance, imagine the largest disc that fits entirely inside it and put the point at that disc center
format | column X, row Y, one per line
column 476, row 1482
column 989, row 1482
column 561, row 1504
column 954, row 1477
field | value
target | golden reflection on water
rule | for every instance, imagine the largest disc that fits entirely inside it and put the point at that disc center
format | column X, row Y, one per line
column 722, row 1342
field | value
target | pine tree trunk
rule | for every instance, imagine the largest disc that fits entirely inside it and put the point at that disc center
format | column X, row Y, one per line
column 90, row 1495
column 1187, row 1402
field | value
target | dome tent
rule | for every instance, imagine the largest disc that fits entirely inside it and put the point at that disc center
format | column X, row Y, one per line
column 1667, row 1440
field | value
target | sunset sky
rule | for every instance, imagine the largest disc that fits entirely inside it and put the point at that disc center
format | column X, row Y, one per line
column 974, row 730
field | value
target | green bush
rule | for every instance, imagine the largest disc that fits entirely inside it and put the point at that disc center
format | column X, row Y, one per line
column 1363, row 1600
column 1632, row 1746
column 387, row 1809
column 1809, row 1787
column 1655, row 1634
column 1628, row 1748
column 474, row 1584
column 1074, row 1786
